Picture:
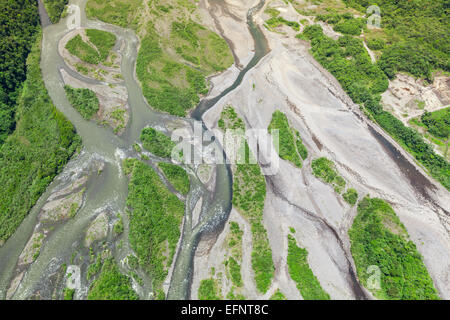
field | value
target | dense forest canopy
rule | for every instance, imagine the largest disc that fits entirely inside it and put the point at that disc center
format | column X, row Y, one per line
column 418, row 32
column 20, row 21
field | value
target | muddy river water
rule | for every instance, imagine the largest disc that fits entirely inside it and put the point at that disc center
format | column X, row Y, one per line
column 110, row 190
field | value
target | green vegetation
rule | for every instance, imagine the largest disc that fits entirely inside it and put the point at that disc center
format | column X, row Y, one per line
column 77, row 47
column 351, row 196
column 376, row 44
column 278, row 295
column 278, row 21
column 85, row 101
column 55, row 9
column 68, row 294
column 119, row 12
column 94, row 268
column 437, row 122
column 379, row 238
column 272, row 12
column 20, row 23
column 344, row 23
column 350, row 63
column 235, row 271
column 417, row 32
column 229, row 120
column 104, row 41
column 249, row 193
column 111, row 284
column 36, row 152
column 176, row 53
column 209, row 290
column 155, row 220
column 167, row 85
column 275, row 20
column 157, row 143
column 290, row 146
column 177, row 176
column 234, row 240
column 325, row 170
column 118, row 226
column 301, row 273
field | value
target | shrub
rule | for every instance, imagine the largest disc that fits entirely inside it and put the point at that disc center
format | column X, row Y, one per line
column 104, row 41
column 155, row 219
column 111, row 284
column 301, row 273
column 85, row 101
column 157, row 143
column 325, row 170
column 177, row 176
column 351, row 196
column 77, row 47
column 55, row 9
column 379, row 238
column 208, row 290
column 290, row 146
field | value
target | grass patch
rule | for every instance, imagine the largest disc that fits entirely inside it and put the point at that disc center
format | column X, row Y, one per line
column 278, row 295
column 111, row 284
column 301, row 273
column 275, row 22
column 157, row 143
column 290, row 146
column 177, row 176
column 229, row 120
column 77, row 47
column 119, row 12
column 234, row 268
column 68, row 294
column 325, row 170
column 379, row 238
column 118, row 226
column 85, row 101
column 209, row 290
column 155, row 220
column 351, row 196
column 437, row 123
column 104, row 41
column 176, row 53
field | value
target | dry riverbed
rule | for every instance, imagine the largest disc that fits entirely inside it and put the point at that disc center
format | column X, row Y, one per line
column 288, row 79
